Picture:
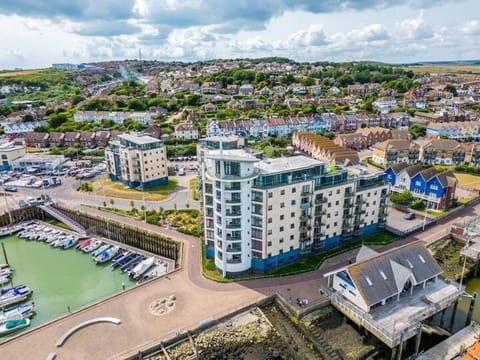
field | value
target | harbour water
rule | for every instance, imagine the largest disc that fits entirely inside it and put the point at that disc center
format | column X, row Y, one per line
column 61, row 280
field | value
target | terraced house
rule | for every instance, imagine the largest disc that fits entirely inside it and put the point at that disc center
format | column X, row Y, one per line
column 263, row 213
column 437, row 189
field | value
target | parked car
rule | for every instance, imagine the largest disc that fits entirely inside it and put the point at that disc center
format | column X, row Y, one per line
column 181, row 172
column 22, row 203
column 31, row 201
column 409, row 216
column 10, row 188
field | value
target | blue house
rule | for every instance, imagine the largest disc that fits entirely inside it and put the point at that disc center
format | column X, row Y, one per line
column 392, row 172
column 419, row 181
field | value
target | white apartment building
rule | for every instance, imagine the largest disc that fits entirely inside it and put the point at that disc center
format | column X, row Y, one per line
column 137, row 161
column 261, row 214
column 116, row 116
column 8, row 153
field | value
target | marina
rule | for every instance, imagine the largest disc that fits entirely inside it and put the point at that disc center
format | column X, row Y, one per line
column 64, row 271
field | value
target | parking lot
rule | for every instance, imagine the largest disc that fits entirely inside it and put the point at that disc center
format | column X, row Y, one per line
column 396, row 219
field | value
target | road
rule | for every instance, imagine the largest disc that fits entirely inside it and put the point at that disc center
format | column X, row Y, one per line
column 66, row 194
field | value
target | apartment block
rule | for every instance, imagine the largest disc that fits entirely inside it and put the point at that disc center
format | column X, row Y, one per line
column 9, row 152
column 137, row 161
column 263, row 213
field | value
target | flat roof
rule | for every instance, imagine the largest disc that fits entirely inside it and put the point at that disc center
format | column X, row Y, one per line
column 284, row 164
column 231, row 154
column 139, row 139
column 40, row 156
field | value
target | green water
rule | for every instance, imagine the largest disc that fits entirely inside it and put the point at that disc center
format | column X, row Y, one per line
column 60, row 278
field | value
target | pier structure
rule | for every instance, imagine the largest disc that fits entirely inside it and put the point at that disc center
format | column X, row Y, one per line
column 391, row 294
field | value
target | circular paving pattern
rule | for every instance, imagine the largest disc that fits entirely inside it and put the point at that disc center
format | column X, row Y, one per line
column 162, row 306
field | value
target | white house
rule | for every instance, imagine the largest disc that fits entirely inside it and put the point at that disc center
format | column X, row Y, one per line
column 385, row 105
column 116, row 116
column 377, row 279
column 186, row 130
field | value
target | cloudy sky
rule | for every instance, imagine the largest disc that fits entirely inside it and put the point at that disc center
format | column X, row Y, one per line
column 39, row 33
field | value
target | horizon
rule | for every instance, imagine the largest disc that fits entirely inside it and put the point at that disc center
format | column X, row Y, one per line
column 393, row 32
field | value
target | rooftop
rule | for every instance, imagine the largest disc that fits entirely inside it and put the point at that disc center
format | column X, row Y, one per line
column 137, row 139
column 232, row 154
column 284, row 164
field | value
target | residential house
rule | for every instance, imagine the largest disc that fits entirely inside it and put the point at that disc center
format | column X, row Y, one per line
column 353, row 141
column 56, row 139
column 395, row 151
column 186, row 130
column 293, row 102
column 116, row 116
column 36, row 139
column 442, row 152
column 297, row 89
column 210, row 88
column 246, row 90
column 208, row 107
column 153, row 131
column 399, row 175
column 193, row 116
column 377, row 279
column 363, row 89
column 234, row 104
column 461, row 131
column 265, row 91
column 472, row 154
column 232, row 89
column 279, row 90
column 87, row 139
column 401, row 134
column 374, row 135
column 385, row 105
column 436, row 189
column 19, row 128
column 103, row 138
column 71, row 138
column 249, row 104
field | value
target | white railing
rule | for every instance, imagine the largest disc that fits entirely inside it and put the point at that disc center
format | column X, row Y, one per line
column 63, row 218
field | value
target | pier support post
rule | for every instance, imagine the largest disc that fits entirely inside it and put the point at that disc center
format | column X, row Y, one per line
column 394, row 353
column 442, row 317
column 475, row 270
column 473, row 301
column 400, row 347
column 454, row 312
column 5, row 253
column 418, row 338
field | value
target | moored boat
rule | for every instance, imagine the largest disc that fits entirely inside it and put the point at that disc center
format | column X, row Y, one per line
column 141, row 268
column 84, row 243
column 68, row 243
column 126, row 256
column 16, row 312
column 106, row 255
column 94, row 245
column 14, row 295
column 12, row 326
column 132, row 263
column 101, row 249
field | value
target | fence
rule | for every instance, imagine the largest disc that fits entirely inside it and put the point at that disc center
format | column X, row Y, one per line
column 22, row 214
column 124, row 234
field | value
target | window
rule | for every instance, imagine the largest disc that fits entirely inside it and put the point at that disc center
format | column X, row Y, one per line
column 369, row 282
column 421, row 258
column 338, row 191
column 281, row 240
column 282, row 217
column 293, row 202
column 383, row 275
column 282, row 192
column 292, row 214
column 269, row 243
column 281, row 228
column 269, row 220
column 292, row 226
column 294, row 190
column 335, row 224
column 270, row 194
column 409, row 263
column 270, row 207
column 336, row 202
column 282, row 205
column 292, row 237
column 270, row 232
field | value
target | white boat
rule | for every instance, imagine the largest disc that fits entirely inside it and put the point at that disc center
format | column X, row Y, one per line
column 4, row 280
column 92, row 246
column 141, row 268
column 16, row 312
column 10, row 230
column 70, row 242
column 14, row 295
column 101, row 249
column 6, row 272
column 13, row 326
column 106, row 255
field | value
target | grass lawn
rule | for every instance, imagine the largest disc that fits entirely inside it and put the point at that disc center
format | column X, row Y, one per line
column 30, row 149
column 19, row 72
column 313, row 262
column 108, row 188
column 468, row 181
column 193, row 184
column 208, row 268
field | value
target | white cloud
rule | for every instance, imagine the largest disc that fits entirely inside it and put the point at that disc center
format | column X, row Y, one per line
column 471, row 28
column 415, row 29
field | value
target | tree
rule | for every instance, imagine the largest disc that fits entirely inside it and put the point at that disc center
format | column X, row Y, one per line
column 417, row 130
column 28, row 118
column 136, row 105
column 451, row 89
column 404, row 198
column 55, row 120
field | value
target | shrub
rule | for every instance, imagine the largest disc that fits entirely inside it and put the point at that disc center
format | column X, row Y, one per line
column 418, row 204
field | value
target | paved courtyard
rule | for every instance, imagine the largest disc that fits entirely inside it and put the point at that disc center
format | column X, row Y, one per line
column 396, row 220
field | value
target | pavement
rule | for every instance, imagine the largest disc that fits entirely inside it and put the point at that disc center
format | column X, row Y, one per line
column 199, row 300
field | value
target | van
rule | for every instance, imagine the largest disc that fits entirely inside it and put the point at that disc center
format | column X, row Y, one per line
column 181, row 172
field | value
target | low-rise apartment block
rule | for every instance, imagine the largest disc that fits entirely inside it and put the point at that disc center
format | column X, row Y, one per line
column 462, row 131
column 9, row 152
column 395, row 151
column 263, row 213
column 443, row 152
column 186, row 130
column 137, row 161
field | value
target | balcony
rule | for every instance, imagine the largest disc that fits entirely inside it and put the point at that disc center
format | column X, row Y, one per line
column 306, row 193
column 359, row 211
column 234, row 226
column 307, row 205
column 234, row 238
column 233, row 213
column 234, row 261
column 257, row 198
column 233, row 201
column 257, row 224
column 348, row 205
column 305, row 239
column 232, row 188
column 321, row 201
column 234, row 249
column 305, row 217
column 349, row 194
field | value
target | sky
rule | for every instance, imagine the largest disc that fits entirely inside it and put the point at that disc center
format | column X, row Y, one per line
column 38, row 33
